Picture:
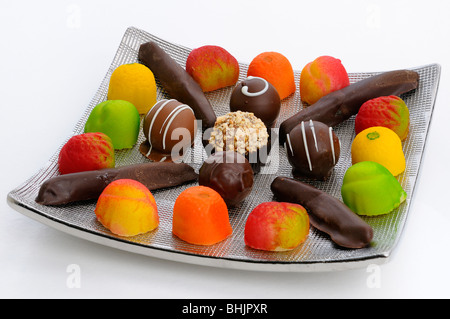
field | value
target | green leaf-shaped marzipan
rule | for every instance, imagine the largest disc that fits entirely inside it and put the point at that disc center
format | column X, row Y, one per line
column 370, row 189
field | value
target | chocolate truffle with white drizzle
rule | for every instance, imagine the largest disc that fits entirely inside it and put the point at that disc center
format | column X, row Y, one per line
column 170, row 128
column 259, row 97
column 313, row 149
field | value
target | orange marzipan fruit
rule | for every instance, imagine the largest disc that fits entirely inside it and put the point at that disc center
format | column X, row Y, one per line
column 200, row 216
column 276, row 69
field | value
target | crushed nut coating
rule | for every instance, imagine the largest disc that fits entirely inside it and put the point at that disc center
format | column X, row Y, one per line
column 239, row 131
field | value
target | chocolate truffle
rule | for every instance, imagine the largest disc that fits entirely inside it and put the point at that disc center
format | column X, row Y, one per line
column 230, row 174
column 170, row 128
column 258, row 96
column 313, row 150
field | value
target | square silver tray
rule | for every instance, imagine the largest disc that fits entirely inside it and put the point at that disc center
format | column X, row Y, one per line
column 318, row 253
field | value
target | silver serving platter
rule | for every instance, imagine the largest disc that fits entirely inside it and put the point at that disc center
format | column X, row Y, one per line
column 318, row 253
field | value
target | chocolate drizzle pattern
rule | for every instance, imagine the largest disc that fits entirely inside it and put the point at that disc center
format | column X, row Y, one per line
column 161, row 121
column 305, row 142
column 312, row 149
column 257, row 93
column 173, row 114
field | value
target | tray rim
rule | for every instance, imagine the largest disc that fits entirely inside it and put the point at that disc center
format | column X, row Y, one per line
column 227, row 262
column 196, row 259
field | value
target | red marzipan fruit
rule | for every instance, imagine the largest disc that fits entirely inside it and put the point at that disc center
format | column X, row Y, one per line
column 86, row 152
column 387, row 111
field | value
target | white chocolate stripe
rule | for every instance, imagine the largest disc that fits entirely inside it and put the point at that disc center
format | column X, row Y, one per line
column 149, row 150
column 330, row 130
column 161, row 104
column 311, row 125
column 171, row 117
column 160, row 108
column 184, row 106
column 288, row 139
column 306, row 146
column 245, row 88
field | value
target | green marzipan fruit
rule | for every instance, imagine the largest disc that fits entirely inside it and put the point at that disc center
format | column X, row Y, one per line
column 370, row 189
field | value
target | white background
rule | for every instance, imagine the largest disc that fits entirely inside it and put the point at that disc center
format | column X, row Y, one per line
column 54, row 55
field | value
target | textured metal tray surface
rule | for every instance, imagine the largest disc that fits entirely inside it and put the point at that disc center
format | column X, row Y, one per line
column 317, row 253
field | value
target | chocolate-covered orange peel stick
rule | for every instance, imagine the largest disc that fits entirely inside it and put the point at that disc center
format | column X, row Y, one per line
column 88, row 185
column 177, row 82
column 326, row 213
column 340, row 105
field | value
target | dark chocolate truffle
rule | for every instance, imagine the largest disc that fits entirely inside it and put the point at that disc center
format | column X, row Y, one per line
column 169, row 127
column 313, row 150
column 259, row 97
column 230, row 174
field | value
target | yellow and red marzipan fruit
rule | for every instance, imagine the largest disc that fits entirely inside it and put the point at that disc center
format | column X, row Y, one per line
column 127, row 208
column 320, row 77
column 212, row 67
column 276, row 226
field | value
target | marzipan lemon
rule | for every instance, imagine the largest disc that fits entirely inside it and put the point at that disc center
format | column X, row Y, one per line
column 134, row 83
column 382, row 145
